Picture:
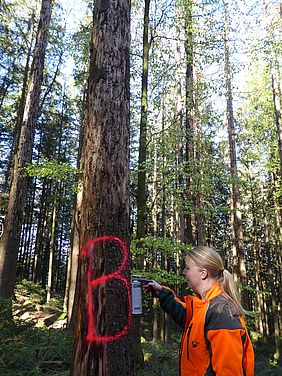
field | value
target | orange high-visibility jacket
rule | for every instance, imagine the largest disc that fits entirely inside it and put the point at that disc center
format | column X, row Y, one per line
column 215, row 341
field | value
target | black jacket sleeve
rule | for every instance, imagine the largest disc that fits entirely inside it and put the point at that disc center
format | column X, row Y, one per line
column 172, row 305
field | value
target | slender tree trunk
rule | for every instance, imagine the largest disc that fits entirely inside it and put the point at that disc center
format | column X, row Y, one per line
column 200, row 220
column 239, row 267
column 72, row 268
column 141, row 177
column 25, row 88
column 180, row 218
column 277, row 109
column 41, row 223
column 275, row 278
column 105, row 201
column 257, row 262
column 275, row 79
column 21, row 108
column 276, row 93
column 9, row 242
column 141, row 183
column 189, row 120
column 52, row 248
column 155, row 234
column 25, row 249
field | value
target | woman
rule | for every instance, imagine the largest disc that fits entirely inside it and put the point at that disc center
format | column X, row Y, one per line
column 215, row 340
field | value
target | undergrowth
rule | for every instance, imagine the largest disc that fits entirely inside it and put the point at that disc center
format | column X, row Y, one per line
column 160, row 359
column 29, row 351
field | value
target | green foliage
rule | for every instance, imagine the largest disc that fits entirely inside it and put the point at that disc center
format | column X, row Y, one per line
column 264, row 350
column 52, row 170
column 160, row 358
column 27, row 351
column 6, row 322
column 30, row 288
column 161, row 276
column 163, row 247
column 55, row 304
column 166, row 246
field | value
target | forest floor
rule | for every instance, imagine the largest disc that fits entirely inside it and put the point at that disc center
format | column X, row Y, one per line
column 36, row 343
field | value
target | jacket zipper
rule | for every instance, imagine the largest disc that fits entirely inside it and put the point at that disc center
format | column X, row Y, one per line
column 188, row 338
column 189, row 329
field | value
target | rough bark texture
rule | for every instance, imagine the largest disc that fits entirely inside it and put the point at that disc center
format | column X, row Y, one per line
column 9, row 242
column 105, row 200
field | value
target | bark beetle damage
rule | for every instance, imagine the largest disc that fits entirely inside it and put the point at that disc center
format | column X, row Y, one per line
column 96, row 74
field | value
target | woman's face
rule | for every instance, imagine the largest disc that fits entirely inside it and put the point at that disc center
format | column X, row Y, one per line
column 193, row 274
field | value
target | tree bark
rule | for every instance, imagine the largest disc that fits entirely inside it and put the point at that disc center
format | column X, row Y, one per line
column 239, row 266
column 41, row 224
column 72, row 268
column 105, row 200
column 141, row 183
column 141, row 177
column 9, row 242
column 179, row 111
column 275, row 80
column 53, row 231
column 189, row 120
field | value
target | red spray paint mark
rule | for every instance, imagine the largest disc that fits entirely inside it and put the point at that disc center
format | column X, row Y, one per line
column 87, row 250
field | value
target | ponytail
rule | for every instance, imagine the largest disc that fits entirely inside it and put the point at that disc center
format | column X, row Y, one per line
column 208, row 258
column 230, row 290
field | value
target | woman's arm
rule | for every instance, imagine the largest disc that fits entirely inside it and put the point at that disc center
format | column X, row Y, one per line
column 170, row 303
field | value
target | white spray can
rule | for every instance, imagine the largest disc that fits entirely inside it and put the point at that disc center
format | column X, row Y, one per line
column 136, row 293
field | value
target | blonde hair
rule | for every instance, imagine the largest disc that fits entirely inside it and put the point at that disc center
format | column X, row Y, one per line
column 208, row 258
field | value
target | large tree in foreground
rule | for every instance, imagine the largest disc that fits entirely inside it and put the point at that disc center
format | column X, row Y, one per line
column 9, row 242
column 105, row 203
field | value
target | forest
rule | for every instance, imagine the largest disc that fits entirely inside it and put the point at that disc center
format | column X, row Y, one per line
column 132, row 131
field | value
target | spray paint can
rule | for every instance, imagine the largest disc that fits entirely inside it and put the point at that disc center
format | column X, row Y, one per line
column 136, row 292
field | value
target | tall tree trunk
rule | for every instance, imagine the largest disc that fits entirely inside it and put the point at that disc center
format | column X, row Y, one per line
column 52, row 247
column 105, row 201
column 199, row 150
column 276, row 92
column 21, row 107
column 275, row 278
column 155, row 234
column 141, row 184
column 189, row 120
column 141, row 177
column 274, row 71
column 179, row 114
column 9, row 242
column 257, row 262
column 72, row 268
column 26, row 247
column 41, row 224
column 239, row 266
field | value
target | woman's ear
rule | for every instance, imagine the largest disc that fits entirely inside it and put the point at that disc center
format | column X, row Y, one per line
column 204, row 274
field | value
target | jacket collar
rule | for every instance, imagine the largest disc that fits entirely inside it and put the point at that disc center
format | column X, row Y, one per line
column 214, row 291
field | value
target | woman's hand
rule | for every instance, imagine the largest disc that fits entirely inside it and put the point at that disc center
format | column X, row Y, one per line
column 154, row 287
